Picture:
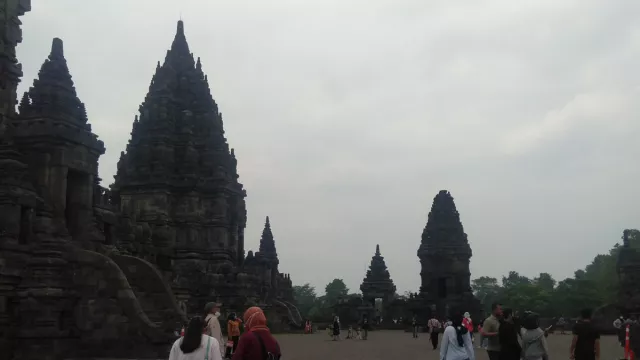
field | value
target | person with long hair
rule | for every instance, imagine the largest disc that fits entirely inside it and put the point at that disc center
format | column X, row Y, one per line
column 534, row 343
column 510, row 348
column 195, row 345
column 456, row 341
column 256, row 343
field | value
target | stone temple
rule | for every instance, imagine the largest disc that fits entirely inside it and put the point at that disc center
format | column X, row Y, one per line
column 445, row 255
column 377, row 284
column 89, row 272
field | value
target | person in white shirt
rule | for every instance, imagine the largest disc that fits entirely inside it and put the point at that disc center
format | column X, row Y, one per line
column 456, row 342
column 195, row 345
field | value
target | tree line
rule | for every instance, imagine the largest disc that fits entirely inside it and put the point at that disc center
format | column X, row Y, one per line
column 594, row 286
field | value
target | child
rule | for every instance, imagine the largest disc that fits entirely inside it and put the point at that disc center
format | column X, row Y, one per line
column 358, row 336
column 350, row 332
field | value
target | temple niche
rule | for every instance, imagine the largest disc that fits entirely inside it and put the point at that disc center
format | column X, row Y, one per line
column 445, row 255
column 91, row 272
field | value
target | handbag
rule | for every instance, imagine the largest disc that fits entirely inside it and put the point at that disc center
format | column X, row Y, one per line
column 206, row 354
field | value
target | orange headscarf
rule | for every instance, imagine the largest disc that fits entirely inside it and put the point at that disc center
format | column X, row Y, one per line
column 254, row 319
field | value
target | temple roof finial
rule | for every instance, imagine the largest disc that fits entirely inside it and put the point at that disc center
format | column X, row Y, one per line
column 57, row 49
column 180, row 29
column 377, row 250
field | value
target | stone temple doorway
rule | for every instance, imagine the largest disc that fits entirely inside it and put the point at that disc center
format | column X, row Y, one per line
column 76, row 182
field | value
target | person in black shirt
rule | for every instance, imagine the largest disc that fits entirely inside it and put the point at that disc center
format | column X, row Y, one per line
column 414, row 327
column 508, row 334
column 586, row 339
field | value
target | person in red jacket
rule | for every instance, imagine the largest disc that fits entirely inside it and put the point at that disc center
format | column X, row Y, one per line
column 256, row 343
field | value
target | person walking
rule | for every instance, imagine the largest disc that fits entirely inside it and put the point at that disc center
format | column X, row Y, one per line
column 468, row 323
column 195, row 345
column 336, row 328
column 233, row 334
column 456, row 341
column 534, row 343
column 256, row 343
column 414, row 327
column 586, row 339
column 510, row 348
column 212, row 324
column 366, row 326
column 490, row 329
column 434, row 330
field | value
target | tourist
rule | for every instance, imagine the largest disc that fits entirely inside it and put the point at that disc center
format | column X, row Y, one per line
column 233, row 333
column 256, row 343
column 483, row 340
column 366, row 326
column 561, row 325
column 212, row 324
column 456, row 342
column 510, row 348
column 350, row 332
column 414, row 327
column 534, row 343
column 586, row 339
column 490, row 329
column 195, row 345
column 468, row 323
column 618, row 324
column 434, row 329
column 336, row 328
column 307, row 327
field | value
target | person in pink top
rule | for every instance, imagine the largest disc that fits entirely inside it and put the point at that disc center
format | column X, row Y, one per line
column 468, row 323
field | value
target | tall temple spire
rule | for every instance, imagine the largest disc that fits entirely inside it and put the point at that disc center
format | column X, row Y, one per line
column 443, row 224
column 179, row 137
column 53, row 93
column 377, row 250
column 267, row 243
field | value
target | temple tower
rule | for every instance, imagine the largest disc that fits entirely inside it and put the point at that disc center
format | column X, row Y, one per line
column 377, row 284
column 52, row 131
column 268, row 256
column 445, row 255
column 178, row 177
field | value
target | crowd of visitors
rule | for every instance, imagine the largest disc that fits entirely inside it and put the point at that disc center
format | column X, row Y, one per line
column 202, row 338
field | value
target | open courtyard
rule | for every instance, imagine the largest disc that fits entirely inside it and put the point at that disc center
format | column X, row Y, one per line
column 399, row 345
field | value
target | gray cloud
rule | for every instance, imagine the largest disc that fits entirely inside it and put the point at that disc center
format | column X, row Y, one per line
column 348, row 117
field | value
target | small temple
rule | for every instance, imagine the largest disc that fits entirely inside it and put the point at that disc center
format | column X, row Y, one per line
column 377, row 284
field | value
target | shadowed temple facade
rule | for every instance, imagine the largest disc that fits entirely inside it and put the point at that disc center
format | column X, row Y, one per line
column 87, row 271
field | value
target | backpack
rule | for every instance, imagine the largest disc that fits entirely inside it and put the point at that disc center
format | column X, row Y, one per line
column 265, row 354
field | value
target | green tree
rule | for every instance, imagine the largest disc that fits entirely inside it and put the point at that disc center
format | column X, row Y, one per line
column 487, row 290
column 334, row 290
column 306, row 298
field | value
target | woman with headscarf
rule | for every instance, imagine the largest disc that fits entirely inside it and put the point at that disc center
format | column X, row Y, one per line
column 256, row 343
column 336, row 328
column 195, row 345
column 456, row 342
column 468, row 323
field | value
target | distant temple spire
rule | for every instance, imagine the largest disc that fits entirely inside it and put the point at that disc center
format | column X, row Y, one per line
column 267, row 243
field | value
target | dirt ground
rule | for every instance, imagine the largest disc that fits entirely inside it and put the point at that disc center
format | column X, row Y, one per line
column 399, row 345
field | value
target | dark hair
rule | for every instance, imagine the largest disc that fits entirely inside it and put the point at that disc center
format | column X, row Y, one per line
column 456, row 322
column 494, row 306
column 192, row 335
column 506, row 313
column 585, row 313
column 530, row 321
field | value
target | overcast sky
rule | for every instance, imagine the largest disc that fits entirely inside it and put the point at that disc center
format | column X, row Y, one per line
column 349, row 116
